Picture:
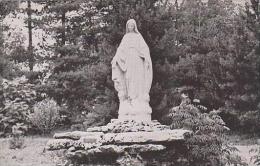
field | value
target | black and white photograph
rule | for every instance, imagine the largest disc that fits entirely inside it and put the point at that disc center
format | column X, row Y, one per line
column 129, row 82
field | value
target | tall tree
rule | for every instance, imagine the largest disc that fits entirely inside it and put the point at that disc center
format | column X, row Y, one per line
column 251, row 115
column 25, row 53
column 210, row 54
column 75, row 62
column 6, row 7
column 6, row 67
column 30, row 47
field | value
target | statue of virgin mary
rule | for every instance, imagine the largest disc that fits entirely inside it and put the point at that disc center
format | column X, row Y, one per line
column 132, row 75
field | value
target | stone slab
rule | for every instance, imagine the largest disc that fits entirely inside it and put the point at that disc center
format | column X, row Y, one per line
column 56, row 144
column 145, row 137
column 76, row 135
column 117, row 149
column 91, row 139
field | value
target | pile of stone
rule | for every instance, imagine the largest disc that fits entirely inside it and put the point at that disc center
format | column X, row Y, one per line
column 121, row 126
column 115, row 139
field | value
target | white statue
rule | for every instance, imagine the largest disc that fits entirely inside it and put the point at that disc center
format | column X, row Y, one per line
column 132, row 75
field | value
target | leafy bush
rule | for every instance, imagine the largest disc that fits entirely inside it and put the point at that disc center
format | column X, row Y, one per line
column 45, row 115
column 250, row 121
column 256, row 157
column 17, row 140
column 19, row 97
column 100, row 114
column 208, row 145
column 129, row 160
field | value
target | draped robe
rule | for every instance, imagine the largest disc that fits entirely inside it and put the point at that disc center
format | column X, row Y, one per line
column 132, row 76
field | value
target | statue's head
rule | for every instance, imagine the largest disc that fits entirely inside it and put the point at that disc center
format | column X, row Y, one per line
column 131, row 26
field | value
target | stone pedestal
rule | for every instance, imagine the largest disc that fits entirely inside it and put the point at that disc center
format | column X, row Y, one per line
column 135, row 110
column 118, row 140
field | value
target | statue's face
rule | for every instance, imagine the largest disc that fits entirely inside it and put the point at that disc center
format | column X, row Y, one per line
column 131, row 27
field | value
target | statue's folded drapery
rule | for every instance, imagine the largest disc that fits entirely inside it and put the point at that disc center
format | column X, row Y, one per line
column 132, row 74
column 132, row 67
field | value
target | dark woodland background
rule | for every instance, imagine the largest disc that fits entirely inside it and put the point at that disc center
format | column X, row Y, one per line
column 209, row 50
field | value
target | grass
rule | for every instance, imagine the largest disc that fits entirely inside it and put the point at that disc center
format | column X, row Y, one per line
column 243, row 140
column 244, row 143
column 32, row 154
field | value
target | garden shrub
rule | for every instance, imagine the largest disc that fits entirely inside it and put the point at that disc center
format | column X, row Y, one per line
column 19, row 98
column 250, row 122
column 101, row 114
column 209, row 145
column 45, row 115
column 17, row 139
column 16, row 142
column 129, row 160
column 255, row 158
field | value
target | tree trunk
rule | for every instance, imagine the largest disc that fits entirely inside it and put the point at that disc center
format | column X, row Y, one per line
column 63, row 20
column 30, row 47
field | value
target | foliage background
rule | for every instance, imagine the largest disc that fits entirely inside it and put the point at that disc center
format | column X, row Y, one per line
column 208, row 49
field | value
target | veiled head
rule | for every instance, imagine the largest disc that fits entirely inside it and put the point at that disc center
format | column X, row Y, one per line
column 131, row 26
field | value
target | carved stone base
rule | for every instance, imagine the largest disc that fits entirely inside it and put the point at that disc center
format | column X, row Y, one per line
column 112, row 142
column 135, row 110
